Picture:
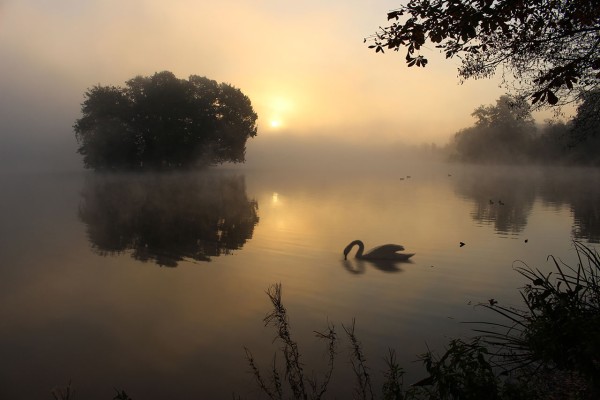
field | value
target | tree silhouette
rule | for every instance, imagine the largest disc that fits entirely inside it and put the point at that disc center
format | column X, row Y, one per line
column 584, row 136
column 164, row 122
column 551, row 47
column 502, row 133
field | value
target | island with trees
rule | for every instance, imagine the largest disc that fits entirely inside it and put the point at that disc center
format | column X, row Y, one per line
column 162, row 122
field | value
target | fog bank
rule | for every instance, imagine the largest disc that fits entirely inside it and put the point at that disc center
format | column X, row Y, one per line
column 327, row 153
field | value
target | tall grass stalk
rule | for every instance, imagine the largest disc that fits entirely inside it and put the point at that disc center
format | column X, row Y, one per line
column 301, row 386
column 63, row 393
column 359, row 365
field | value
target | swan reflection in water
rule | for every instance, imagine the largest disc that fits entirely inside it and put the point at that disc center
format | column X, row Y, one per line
column 384, row 258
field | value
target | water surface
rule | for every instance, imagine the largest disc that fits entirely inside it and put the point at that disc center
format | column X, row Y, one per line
column 155, row 283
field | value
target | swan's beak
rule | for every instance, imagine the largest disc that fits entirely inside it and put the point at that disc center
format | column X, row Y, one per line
column 346, row 251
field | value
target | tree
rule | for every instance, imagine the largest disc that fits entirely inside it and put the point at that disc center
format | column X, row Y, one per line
column 586, row 123
column 584, row 135
column 550, row 47
column 551, row 144
column 502, row 133
column 164, row 122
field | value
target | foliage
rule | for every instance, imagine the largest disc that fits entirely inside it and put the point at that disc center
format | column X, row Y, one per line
column 549, row 46
column 583, row 138
column 164, row 122
column 586, row 124
column 551, row 145
column 463, row 372
column 559, row 329
column 502, row 133
column 506, row 133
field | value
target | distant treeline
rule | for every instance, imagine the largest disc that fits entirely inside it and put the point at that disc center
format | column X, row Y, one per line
column 507, row 133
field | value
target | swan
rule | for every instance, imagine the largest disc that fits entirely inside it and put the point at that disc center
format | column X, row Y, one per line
column 384, row 252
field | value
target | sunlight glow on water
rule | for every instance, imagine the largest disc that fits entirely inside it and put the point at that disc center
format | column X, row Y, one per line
column 83, row 297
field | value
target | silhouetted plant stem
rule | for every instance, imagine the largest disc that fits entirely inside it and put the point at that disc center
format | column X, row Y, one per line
column 392, row 387
column 359, row 365
column 293, row 367
column 331, row 338
column 63, row 393
column 258, row 377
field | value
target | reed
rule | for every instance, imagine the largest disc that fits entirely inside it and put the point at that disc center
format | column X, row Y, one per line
column 557, row 334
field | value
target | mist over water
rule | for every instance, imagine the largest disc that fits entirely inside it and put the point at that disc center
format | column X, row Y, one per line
column 86, row 296
column 316, row 154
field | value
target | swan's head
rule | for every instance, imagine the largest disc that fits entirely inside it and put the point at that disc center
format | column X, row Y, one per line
column 348, row 248
column 346, row 251
column 358, row 243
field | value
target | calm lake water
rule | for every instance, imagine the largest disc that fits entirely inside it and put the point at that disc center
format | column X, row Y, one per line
column 155, row 283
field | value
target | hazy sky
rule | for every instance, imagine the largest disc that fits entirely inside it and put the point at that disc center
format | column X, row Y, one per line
column 302, row 63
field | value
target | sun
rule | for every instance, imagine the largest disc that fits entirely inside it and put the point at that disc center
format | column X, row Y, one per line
column 277, row 111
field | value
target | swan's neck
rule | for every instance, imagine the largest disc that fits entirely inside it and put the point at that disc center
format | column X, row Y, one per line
column 361, row 248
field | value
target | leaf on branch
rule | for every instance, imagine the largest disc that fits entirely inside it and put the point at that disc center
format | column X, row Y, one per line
column 539, row 96
column 394, row 14
column 545, row 94
column 569, row 84
column 552, row 99
column 419, row 61
column 435, row 37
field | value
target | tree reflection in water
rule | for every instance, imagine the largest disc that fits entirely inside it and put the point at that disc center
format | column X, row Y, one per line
column 518, row 189
column 580, row 192
column 504, row 199
column 166, row 218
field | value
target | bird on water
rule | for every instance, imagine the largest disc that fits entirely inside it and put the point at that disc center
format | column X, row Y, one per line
column 384, row 252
